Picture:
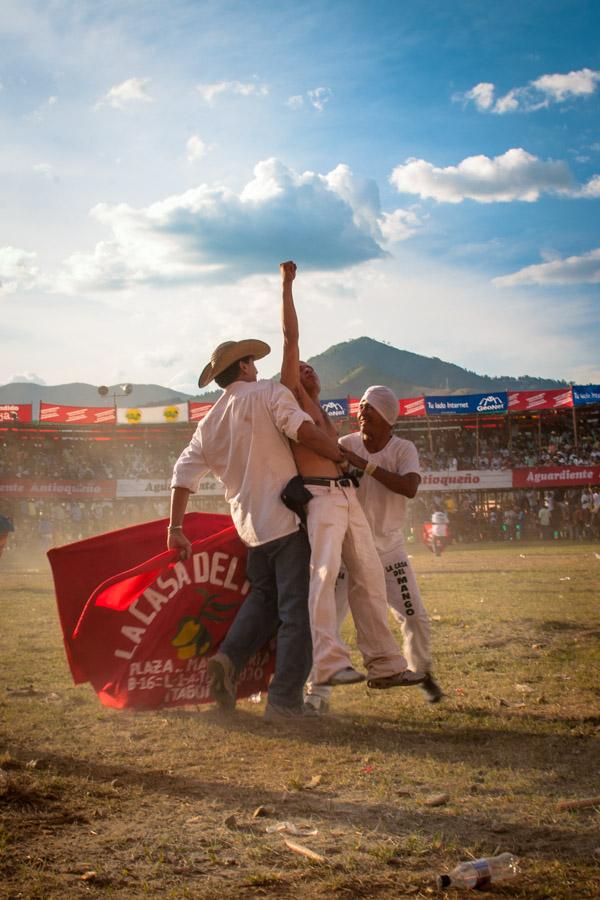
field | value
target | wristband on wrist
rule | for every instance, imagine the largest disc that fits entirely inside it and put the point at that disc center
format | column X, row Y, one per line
column 370, row 468
column 175, row 528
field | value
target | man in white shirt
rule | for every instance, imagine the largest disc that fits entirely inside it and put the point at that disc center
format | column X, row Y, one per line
column 244, row 441
column 337, row 529
column 391, row 467
column 544, row 516
column 439, row 530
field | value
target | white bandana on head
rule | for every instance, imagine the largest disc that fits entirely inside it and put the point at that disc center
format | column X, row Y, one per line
column 384, row 400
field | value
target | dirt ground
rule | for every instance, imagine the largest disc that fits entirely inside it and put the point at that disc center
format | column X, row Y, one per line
column 99, row 802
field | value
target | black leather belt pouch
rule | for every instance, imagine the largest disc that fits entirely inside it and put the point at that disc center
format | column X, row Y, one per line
column 295, row 496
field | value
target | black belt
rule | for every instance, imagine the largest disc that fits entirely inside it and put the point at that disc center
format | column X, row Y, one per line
column 339, row 481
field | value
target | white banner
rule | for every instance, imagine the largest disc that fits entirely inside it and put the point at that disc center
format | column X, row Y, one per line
column 160, row 487
column 467, row 480
column 151, row 415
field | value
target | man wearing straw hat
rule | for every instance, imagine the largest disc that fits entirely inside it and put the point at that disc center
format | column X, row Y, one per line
column 244, row 441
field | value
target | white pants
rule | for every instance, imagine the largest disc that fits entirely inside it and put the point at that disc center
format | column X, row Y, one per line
column 407, row 607
column 338, row 530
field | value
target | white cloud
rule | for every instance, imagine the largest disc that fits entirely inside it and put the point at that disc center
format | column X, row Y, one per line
column 186, row 382
column 27, row 378
column 482, row 95
column 18, row 270
column 319, row 97
column 584, row 269
column 515, row 175
column 209, row 92
column 45, row 170
column 592, row 188
column 163, row 358
column 210, row 234
column 537, row 94
column 510, row 102
column 574, row 84
column 196, row 148
column 295, row 102
column 399, row 225
column 39, row 115
column 134, row 90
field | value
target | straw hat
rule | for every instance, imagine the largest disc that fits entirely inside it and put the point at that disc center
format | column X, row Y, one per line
column 228, row 353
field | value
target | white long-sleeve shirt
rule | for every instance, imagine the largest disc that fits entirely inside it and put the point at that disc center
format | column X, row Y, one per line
column 243, row 441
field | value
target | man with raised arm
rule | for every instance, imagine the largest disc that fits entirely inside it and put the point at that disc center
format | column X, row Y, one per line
column 337, row 529
column 391, row 476
column 245, row 441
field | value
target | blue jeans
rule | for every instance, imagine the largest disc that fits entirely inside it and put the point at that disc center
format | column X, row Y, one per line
column 278, row 572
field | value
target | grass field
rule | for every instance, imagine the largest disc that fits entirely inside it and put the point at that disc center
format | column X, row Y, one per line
column 107, row 803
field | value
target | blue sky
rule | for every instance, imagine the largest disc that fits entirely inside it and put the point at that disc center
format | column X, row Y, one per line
column 434, row 169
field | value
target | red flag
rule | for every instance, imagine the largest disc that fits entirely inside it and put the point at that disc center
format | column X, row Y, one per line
column 143, row 633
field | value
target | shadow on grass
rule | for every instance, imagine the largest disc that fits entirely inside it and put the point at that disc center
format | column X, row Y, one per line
column 394, row 817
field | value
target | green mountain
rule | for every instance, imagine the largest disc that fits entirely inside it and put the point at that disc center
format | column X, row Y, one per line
column 350, row 367
column 345, row 369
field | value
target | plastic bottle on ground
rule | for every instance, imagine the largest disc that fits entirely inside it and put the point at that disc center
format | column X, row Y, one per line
column 478, row 873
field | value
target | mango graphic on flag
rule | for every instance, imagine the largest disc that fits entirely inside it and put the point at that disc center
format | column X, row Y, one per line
column 171, row 413
column 133, row 415
column 193, row 637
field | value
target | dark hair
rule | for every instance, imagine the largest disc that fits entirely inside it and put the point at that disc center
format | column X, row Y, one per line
column 231, row 373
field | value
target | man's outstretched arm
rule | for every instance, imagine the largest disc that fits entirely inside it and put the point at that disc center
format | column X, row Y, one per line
column 290, row 367
column 316, row 439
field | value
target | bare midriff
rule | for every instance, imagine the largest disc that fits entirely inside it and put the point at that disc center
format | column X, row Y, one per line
column 308, row 462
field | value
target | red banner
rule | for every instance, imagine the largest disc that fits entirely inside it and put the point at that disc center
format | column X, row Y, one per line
column 15, row 412
column 556, row 476
column 143, row 635
column 527, row 401
column 412, row 406
column 197, row 411
column 77, row 415
column 57, row 490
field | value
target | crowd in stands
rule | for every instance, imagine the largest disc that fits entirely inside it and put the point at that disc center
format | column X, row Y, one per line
column 458, row 450
column 79, row 459
column 510, row 515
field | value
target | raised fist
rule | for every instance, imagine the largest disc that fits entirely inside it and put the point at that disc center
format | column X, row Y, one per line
column 288, row 270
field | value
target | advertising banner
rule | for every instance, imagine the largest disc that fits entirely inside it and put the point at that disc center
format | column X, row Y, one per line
column 142, row 636
column 335, row 409
column 467, row 480
column 152, row 415
column 15, row 412
column 496, row 402
column 161, row 487
column 412, row 406
column 527, row 401
column 197, row 411
column 77, row 415
column 556, row 476
column 46, row 488
column 584, row 394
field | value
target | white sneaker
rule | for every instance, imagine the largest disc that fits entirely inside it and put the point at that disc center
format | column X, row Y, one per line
column 343, row 676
